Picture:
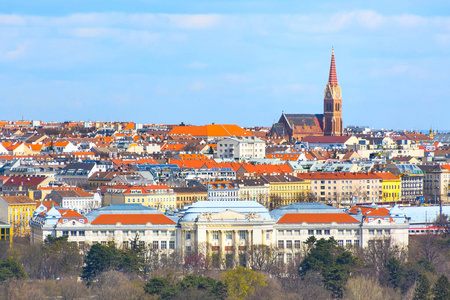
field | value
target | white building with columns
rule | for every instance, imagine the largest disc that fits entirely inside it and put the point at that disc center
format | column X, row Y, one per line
column 227, row 232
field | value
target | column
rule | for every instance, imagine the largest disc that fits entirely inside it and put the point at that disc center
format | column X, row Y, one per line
column 183, row 243
column 222, row 248
column 208, row 244
column 236, row 247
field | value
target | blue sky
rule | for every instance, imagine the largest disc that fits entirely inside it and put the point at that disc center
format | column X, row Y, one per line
column 235, row 62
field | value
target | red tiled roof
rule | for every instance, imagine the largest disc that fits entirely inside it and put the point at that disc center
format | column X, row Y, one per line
column 284, row 156
column 21, row 180
column 317, row 218
column 371, row 211
column 17, row 199
column 325, row 139
column 387, row 176
column 210, row 130
column 46, row 203
column 127, row 219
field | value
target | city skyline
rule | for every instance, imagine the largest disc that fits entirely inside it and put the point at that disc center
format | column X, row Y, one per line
column 234, row 63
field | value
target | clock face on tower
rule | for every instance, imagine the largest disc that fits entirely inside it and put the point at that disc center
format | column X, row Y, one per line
column 337, row 94
column 328, row 95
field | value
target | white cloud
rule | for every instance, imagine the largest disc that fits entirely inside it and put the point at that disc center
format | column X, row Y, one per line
column 16, row 53
column 13, row 20
column 197, row 86
column 410, row 20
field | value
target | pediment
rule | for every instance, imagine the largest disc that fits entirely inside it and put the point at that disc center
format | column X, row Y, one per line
column 378, row 220
column 227, row 215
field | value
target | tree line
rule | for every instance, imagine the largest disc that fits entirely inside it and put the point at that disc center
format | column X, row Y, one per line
column 58, row 268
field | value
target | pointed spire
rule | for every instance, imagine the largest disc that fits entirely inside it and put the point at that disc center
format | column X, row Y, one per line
column 332, row 79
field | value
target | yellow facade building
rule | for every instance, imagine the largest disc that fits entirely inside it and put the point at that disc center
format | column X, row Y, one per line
column 390, row 187
column 17, row 211
column 287, row 189
column 160, row 197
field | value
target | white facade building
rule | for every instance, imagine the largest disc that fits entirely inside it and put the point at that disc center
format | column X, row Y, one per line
column 223, row 191
column 241, row 148
column 228, row 232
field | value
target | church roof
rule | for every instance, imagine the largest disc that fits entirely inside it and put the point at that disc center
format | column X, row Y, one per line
column 332, row 79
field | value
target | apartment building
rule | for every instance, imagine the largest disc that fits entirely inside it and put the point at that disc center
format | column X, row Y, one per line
column 345, row 188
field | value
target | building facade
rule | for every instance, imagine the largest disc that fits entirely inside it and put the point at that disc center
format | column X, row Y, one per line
column 237, row 148
column 344, row 188
column 160, row 197
column 229, row 233
column 17, row 211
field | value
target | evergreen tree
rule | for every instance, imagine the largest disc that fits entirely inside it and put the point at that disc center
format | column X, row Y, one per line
column 395, row 272
column 332, row 262
column 11, row 269
column 422, row 291
column 441, row 290
column 99, row 259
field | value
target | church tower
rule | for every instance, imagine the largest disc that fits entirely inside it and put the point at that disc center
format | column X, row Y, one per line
column 332, row 104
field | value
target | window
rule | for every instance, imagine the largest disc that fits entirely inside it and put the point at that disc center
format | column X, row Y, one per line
column 310, row 232
column 288, row 244
column 297, row 244
column 281, row 244
column 289, row 257
column 242, row 234
column 319, row 232
column 326, row 232
column 296, row 232
column 348, row 243
column 371, row 231
column 163, row 245
column 229, row 235
column 188, row 249
column 155, row 245
column 81, row 233
column 171, row 244
column 188, row 235
column 288, row 232
column 281, row 232
column 348, row 231
column 379, row 231
column 215, row 235
column 341, row 243
column 156, row 232
column 73, row 233
column 356, row 243
column 67, row 232
column 341, row 232
column 387, row 231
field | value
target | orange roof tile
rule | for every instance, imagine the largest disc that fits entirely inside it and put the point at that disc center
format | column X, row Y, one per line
column 126, row 219
column 210, row 130
column 317, row 218
column 387, row 176
column 172, row 147
column 371, row 211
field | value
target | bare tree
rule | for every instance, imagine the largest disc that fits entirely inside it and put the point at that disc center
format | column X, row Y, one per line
column 378, row 253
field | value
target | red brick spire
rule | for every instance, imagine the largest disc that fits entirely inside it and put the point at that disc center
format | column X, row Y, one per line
column 332, row 79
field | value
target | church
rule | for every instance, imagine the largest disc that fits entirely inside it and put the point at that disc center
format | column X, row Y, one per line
column 297, row 126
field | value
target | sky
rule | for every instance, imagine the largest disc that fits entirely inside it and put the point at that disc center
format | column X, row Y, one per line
column 228, row 61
